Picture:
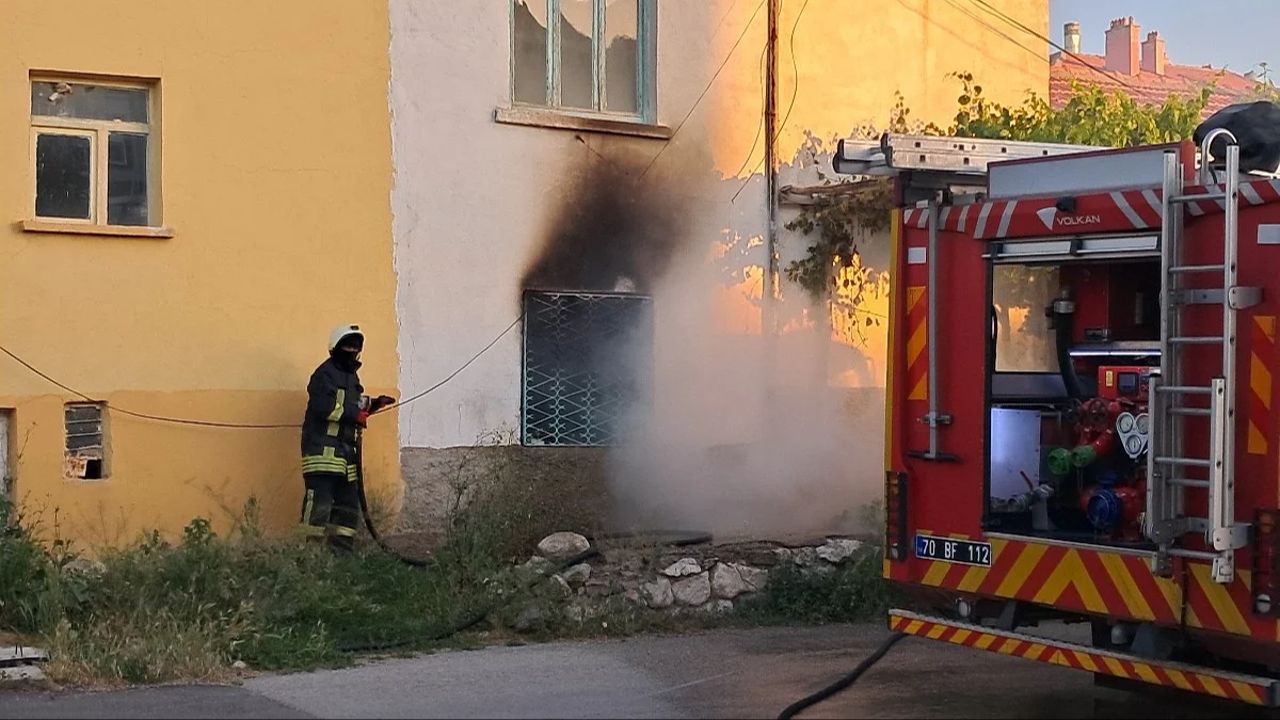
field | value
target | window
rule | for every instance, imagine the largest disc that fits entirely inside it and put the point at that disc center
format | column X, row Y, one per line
column 587, row 365
column 6, row 472
column 86, row 457
column 1025, row 340
column 92, row 146
column 591, row 56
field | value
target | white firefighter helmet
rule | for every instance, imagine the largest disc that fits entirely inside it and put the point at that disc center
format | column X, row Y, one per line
column 343, row 331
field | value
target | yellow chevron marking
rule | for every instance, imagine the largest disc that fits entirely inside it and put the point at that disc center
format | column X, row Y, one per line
column 1146, row 673
column 915, row 344
column 913, row 627
column 961, row 636
column 1129, row 592
column 1086, row 661
column 921, row 390
column 914, row 294
column 1193, row 618
column 937, row 571
column 1071, row 572
column 1179, row 679
column 1260, row 379
column 1034, row 651
column 1267, row 324
column 1057, row 658
column 1257, row 441
column 1114, row 667
column 1211, row 684
column 936, row 632
column 1223, row 606
column 1021, row 569
column 1009, row 646
column 985, row 641
column 1172, row 594
column 975, row 575
column 1246, row 692
column 972, row 579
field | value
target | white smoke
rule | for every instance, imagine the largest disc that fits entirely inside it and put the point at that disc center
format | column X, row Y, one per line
column 741, row 441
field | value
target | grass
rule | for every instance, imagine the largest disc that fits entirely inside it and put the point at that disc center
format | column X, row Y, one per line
column 159, row 611
column 852, row 592
column 188, row 609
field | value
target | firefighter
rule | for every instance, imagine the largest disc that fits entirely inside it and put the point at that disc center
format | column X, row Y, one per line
column 337, row 411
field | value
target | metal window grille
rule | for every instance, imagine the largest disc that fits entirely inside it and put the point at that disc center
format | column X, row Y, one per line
column 587, row 366
column 86, row 446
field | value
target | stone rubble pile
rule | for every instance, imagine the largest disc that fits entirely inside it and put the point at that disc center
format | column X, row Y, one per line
column 705, row 577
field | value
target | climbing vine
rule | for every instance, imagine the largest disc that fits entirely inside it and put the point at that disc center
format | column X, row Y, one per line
column 839, row 215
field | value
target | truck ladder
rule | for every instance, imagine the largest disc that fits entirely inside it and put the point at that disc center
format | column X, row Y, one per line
column 1169, row 457
column 938, row 154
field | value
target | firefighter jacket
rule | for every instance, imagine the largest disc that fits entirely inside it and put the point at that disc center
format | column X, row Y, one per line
column 330, row 426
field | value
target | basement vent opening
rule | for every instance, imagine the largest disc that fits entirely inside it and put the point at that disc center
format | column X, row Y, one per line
column 86, row 446
column 588, row 364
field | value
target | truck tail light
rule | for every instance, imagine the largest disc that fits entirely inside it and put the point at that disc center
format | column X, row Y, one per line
column 895, row 515
column 1266, row 563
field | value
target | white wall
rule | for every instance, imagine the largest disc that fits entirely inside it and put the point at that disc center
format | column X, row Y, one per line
column 473, row 197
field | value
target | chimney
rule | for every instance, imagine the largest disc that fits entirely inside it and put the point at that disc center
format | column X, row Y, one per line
column 1123, row 46
column 1071, row 37
column 1153, row 55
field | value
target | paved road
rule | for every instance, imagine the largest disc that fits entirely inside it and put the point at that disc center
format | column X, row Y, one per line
column 728, row 673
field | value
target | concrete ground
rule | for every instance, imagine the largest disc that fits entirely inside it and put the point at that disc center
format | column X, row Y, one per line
column 724, row 673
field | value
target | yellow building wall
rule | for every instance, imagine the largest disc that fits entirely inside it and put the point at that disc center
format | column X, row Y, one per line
column 849, row 58
column 276, row 176
column 842, row 65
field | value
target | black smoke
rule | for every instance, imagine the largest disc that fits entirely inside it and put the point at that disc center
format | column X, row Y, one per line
column 611, row 231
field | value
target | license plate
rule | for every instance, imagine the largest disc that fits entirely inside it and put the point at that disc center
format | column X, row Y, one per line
column 963, row 552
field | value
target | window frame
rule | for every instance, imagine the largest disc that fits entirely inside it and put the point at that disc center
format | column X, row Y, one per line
column 642, row 366
column 646, row 64
column 75, row 460
column 99, row 133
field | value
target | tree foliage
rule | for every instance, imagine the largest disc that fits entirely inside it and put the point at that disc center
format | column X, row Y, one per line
column 838, row 218
column 1089, row 117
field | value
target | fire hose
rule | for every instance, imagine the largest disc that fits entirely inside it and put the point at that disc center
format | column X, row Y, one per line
column 843, row 683
column 678, row 538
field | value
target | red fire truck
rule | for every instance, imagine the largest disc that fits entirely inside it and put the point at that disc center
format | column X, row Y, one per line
column 1082, row 416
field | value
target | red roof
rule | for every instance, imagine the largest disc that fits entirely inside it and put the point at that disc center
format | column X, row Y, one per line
column 1147, row 88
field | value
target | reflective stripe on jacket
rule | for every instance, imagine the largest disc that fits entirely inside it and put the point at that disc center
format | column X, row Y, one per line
column 329, row 427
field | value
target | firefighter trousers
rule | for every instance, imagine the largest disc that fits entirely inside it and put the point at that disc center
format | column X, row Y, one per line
column 331, row 509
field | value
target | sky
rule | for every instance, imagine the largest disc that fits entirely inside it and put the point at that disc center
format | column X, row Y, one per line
column 1236, row 33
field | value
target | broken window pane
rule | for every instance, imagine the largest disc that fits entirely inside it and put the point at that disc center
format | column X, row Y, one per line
column 85, row 456
column 62, row 176
column 621, row 62
column 577, row 66
column 127, row 179
column 88, row 102
column 530, row 51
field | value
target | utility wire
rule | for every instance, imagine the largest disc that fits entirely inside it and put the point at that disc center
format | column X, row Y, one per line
column 1035, row 33
column 241, row 426
column 464, row 366
column 795, row 92
column 974, row 16
column 755, row 141
column 145, row 416
column 705, row 90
